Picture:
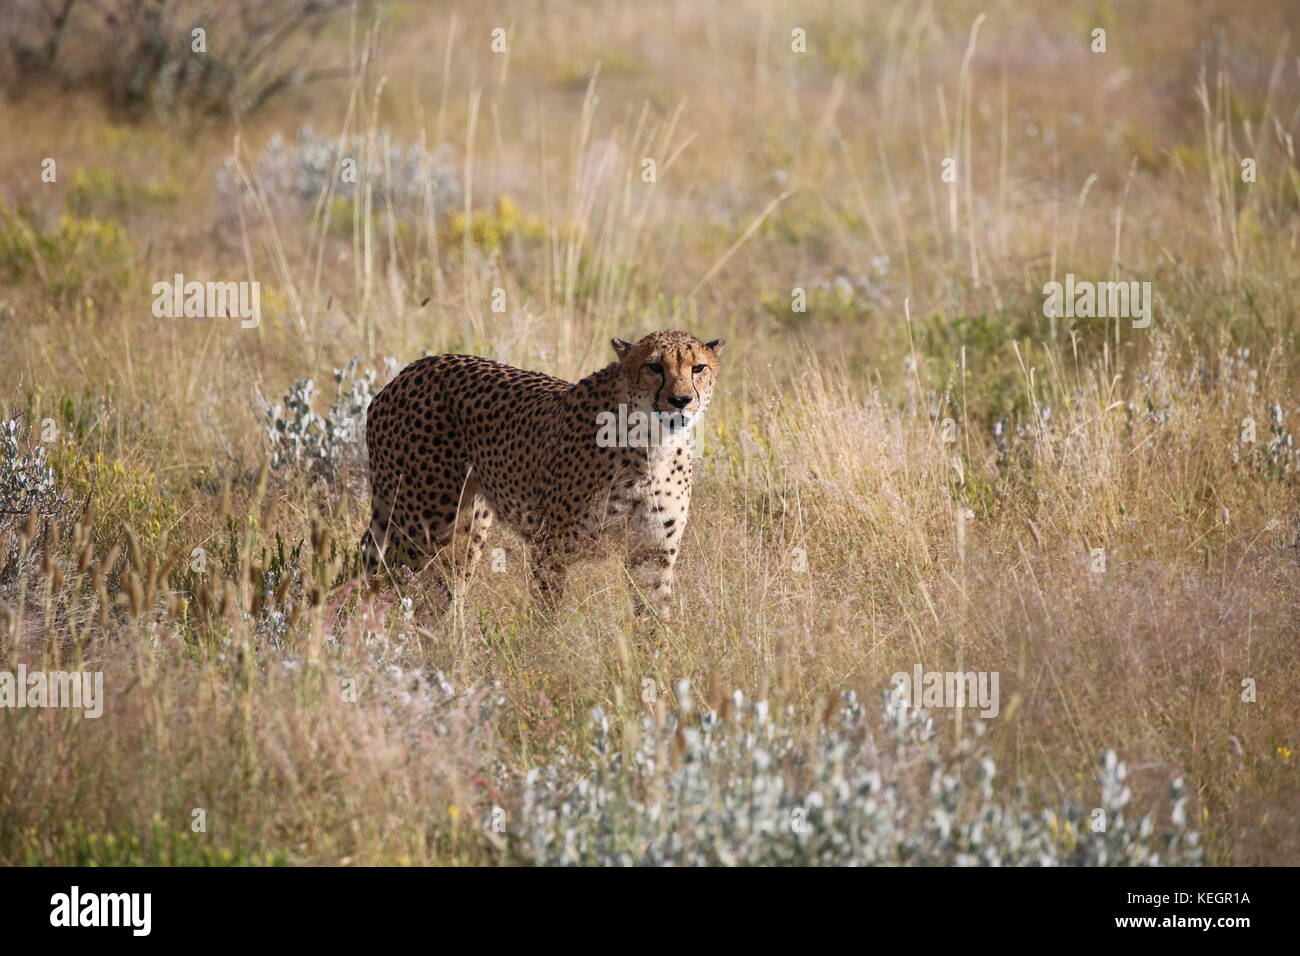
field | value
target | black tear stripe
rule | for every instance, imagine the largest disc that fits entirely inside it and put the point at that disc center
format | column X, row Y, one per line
column 663, row 383
column 685, row 357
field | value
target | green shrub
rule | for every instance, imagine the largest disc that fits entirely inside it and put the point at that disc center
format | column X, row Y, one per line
column 106, row 189
column 76, row 845
column 80, row 256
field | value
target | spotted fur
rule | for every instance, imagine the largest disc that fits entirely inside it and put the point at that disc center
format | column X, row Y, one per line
column 456, row 442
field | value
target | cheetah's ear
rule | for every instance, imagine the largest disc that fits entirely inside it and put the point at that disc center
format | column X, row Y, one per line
column 716, row 345
column 621, row 347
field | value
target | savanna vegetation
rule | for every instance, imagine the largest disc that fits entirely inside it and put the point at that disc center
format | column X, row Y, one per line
column 907, row 461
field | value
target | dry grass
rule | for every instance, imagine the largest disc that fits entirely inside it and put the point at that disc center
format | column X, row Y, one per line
column 774, row 171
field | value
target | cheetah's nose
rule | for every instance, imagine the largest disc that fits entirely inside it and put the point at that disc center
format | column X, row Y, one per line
column 679, row 401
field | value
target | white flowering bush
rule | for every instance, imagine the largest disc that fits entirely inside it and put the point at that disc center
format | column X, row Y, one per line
column 298, row 170
column 739, row 788
column 1279, row 456
column 27, row 482
column 319, row 443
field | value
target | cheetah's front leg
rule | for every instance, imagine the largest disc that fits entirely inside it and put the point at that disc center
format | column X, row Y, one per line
column 656, row 529
column 651, row 570
column 656, row 532
column 550, row 562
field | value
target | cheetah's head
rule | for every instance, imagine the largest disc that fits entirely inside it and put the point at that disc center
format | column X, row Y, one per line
column 670, row 373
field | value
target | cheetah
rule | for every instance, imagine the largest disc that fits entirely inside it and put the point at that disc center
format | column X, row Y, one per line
column 456, row 442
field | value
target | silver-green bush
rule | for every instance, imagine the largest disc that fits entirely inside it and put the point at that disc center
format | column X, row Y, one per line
column 27, row 482
column 321, row 443
column 739, row 788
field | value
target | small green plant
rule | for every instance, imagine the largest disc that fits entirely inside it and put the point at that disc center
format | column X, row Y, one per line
column 122, row 490
column 77, row 845
column 107, row 189
column 846, row 298
column 80, row 256
column 490, row 229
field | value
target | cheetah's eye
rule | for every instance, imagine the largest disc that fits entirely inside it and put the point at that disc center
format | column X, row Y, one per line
column 655, row 367
column 698, row 369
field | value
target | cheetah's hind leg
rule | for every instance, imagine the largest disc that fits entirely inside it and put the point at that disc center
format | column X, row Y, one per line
column 381, row 548
column 461, row 542
column 448, row 551
column 437, row 534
